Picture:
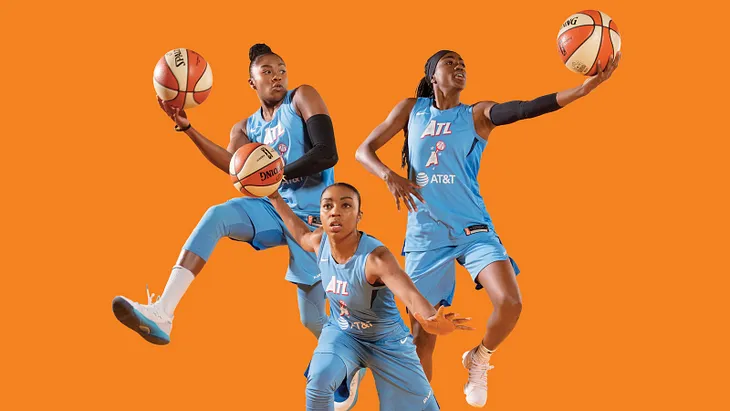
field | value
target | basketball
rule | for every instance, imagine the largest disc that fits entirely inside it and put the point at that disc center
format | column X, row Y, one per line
column 585, row 38
column 182, row 78
column 256, row 170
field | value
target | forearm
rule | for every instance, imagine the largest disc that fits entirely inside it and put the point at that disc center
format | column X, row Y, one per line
column 322, row 155
column 512, row 111
column 316, row 160
column 217, row 155
column 419, row 304
column 294, row 224
column 366, row 156
column 568, row 96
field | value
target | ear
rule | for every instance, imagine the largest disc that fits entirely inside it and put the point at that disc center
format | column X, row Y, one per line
column 433, row 79
column 359, row 216
column 251, row 83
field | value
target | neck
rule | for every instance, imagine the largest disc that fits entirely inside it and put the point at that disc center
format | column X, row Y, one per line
column 446, row 99
column 268, row 109
column 344, row 248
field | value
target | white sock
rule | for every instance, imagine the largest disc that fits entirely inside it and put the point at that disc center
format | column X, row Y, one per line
column 179, row 281
column 482, row 354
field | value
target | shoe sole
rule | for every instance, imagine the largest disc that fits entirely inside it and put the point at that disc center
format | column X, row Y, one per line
column 357, row 379
column 135, row 321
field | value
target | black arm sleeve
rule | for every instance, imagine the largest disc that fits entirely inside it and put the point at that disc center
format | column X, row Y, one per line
column 511, row 111
column 323, row 153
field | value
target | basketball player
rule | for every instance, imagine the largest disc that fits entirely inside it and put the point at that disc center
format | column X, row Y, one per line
column 447, row 219
column 297, row 125
column 365, row 329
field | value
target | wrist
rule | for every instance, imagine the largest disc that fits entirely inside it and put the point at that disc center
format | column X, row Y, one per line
column 386, row 175
column 184, row 128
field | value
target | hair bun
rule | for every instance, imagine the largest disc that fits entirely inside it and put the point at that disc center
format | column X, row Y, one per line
column 258, row 50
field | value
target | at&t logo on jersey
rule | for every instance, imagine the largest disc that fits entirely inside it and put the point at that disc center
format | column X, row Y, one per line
column 360, row 325
column 273, row 134
column 435, row 128
column 342, row 323
column 337, row 286
column 423, row 179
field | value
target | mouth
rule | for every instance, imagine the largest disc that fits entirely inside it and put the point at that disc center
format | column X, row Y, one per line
column 277, row 86
column 460, row 76
column 335, row 226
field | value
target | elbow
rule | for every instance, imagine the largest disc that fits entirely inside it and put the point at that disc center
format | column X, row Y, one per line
column 331, row 160
column 361, row 153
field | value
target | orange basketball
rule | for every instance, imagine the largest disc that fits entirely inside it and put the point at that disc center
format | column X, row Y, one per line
column 183, row 78
column 585, row 38
column 256, row 170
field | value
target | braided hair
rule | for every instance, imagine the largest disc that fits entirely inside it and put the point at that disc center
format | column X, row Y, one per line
column 425, row 89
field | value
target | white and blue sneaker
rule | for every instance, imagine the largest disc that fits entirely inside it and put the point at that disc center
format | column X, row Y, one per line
column 346, row 397
column 150, row 321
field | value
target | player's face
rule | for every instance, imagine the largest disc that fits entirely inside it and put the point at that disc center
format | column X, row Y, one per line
column 451, row 72
column 269, row 78
column 339, row 211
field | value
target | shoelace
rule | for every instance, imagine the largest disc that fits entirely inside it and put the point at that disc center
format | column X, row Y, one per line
column 478, row 373
column 150, row 297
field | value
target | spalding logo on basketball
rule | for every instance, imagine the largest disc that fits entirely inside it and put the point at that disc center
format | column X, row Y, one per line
column 256, row 170
column 183, row 78
column 585, row 38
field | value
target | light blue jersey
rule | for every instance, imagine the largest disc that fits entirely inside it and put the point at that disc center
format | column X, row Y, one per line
column 444, row 152
column 357, row 307
column 287, row 134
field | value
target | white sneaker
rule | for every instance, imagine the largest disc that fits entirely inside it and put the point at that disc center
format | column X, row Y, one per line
column 150, row 321
column 346, row 404
column 476, row 388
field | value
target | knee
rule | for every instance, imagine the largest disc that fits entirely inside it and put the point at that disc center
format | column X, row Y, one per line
column 313, row 322
column 509, row 305
column 216, row 219
column 321, row 384
column 214, row 214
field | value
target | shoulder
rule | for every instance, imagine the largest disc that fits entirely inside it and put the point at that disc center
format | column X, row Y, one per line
column 483, row 106
column 239, row 129
column 408, row 103
column 405, row 106
column 482, row 119
column 380, row 256
column 318, row 236
column 304, row 93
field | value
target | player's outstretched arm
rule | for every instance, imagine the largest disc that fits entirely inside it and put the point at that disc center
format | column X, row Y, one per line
column 308, row 240
column 382, row 265
column 401, row 188
column 500, row 114
column 217, row 155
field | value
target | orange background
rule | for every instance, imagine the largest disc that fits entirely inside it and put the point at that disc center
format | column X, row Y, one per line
column 615, row 207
